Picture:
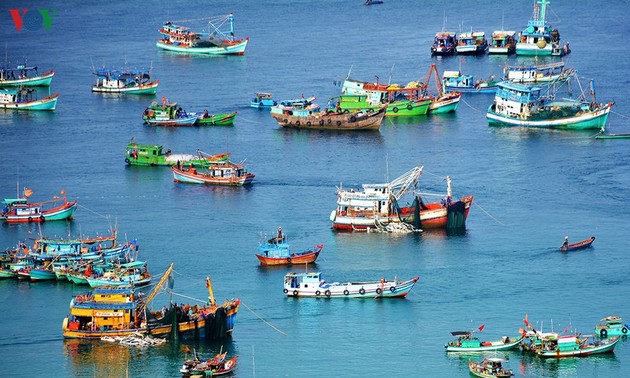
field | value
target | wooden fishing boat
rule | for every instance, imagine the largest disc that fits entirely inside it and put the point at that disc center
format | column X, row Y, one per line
column 167, row 114
column 216, row 366
column 612, row 326
column 489, row 367
column 276, row 251
column 121, row 311
column 155, row 155
column 377, row 206
column 124, row 81
column 263, row 100
column 312, row 285
column 402, row 101
column 529, row 105
column 25, row 99
column 539, row 38
column 21, row 211
column 215, row 173
column 7, row 273
column 566, row 247
column 444, row 43
column 133, row 274
column 612, row 136
column 557, row 346
column 468, row 342
column 455, row 81
column 472, row 43
column 441, row 101
column 311, row 117
column 373, row 2
column 502, row 42
column 543, row 73
column 220, row 119
column 217, row 41
column 42, row 274
column 24, row 76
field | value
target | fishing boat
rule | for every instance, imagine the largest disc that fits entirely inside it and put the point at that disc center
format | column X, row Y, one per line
column 312, row 285
column 566, row 247
column 539, row 38
column 377, row 205
column 263, row 100
column 19, row 210
column 167, row 114
column 155, row 155
column 455, row 81
column 218, row 40
column 121, row 311
column 124, row 81
column 612, row 326
column 534, row 105
column 401, row 101
column 220, row 119
column 467, row 342
column 26, row 99
column 444, row 43
column 373, row 2
column 312, row 117
column 24, row 76
column 276, row 251
column 489, row 367
column 42, row 274
column 472, row 43
column 553, row 345
column 543, row 73
column 441, row 101
column 612, row 136
column 133, row 274
column 502, row 42
column 212, row 367
column 224, row 173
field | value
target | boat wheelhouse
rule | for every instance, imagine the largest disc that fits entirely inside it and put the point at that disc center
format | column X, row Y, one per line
column 612, row 326
column 502, row 42
column 531, row 106
column 472, row 43
column 539, row 38
column 409, row 100
column 217, row 40
column 444, row 43
column 543, row 73
column 124, row 81
column 24, row 76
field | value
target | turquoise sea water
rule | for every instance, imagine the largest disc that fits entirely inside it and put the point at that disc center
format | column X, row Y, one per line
column 531, row 188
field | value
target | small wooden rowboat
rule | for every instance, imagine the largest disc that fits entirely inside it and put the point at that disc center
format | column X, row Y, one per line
column 579, row 245
column 489, row 367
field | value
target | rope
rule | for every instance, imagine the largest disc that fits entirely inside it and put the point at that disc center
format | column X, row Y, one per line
column 488, row 214
column 619, row 114
column 187, row 297
column 477, row 110
column 240, row 118
column 264, row 321
column 92, row 211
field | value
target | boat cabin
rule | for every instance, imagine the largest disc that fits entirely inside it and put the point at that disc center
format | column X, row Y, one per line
column 18, row 72
column 515, row 100
column 146, row 153
column 108, row 78
column 502, row 42
column 545, row 72
column 471, row 42
column 444, row 43
column 374, row 200
column 302, row 280
column 106, row 308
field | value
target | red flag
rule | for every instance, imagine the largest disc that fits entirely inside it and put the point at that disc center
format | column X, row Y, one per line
column 481, row 327
column 187, row 349
column 525, row 321
column 566, row 330
column 27, row 192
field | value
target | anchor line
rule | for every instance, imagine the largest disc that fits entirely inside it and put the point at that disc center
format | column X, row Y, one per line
column 488, row 214
column 477, row 110
column 264, row 321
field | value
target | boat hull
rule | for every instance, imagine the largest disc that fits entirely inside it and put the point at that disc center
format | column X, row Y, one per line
column 65, row 211
column 222, row 119
column 42, row 275
column 577, row 246
column 407, row 108
column 590, row 120
column 333, row 121
column 43, row 80
column 496, row 346
column 612, row 136
column 47, row 103
column 490, row 89
column 366, row 290
column 145, row 89
column 235, row 49
column 302, row 257
column 186, row 121
column 193, row 178
column 444, row 105
column 583, row 351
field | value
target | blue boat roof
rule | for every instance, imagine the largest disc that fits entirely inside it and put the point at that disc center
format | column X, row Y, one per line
column 519, row 87
column 18, row 68
column 122, row 73
column 106, row 306
column 113, row 290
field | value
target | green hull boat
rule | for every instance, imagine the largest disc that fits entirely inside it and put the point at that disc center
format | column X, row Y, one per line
column 223, row 119
column 155, row 155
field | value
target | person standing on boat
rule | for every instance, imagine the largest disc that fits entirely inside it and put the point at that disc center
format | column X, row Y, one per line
column 565, row 243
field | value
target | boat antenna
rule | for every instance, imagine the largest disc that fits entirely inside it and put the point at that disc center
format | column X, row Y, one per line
column 592, row 87
column 386, row 167
column 389, row 80
column 349, row 72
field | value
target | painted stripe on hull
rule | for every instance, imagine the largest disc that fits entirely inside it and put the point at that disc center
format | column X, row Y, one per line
column 143, row 89
column 48, row 103
column 237, row 49
column 594, row 120
column 36, row 81
column 402, row 110
column 65, row 213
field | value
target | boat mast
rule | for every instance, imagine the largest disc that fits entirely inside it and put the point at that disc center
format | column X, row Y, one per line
column 159, row 285
column 210, row 292
column 449, row 191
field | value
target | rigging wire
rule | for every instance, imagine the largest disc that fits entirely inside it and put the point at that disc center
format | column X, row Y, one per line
column 264, row 321
column 488, row 214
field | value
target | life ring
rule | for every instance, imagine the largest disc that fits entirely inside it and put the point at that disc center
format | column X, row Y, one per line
column 392, row 289
column 321, row 122
column 624, row 330
column 127, row 161
column 288, row 260
column 379, row 291
column 395, row 110
column 361, row 291
column 286, row 121
column 308, row 123
column 346, row 292
column 327, row 293
column 346, row 110
column 369, row 110
column 338, row 123
column 41, row 218
column 297, row 123
column 30, row 219
column 318, row 293
column 353, row 119
column 409, row 107
column 295, row 293
column 329, row 121
column 603, row 333
column 285, row 291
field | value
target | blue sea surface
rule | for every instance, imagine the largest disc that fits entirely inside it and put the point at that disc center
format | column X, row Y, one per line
column 531, row 188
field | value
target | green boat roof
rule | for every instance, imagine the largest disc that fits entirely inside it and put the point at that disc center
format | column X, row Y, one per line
column 133, row 264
